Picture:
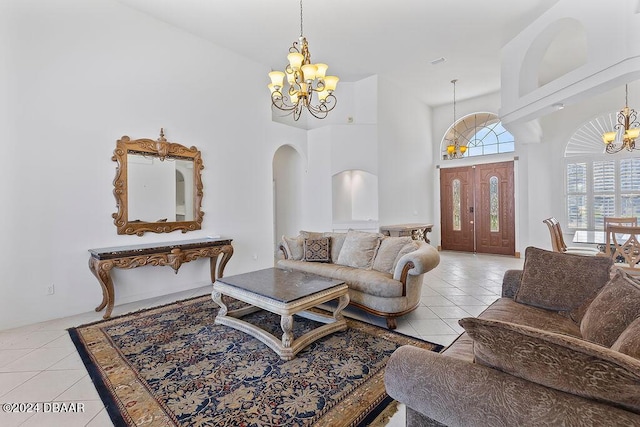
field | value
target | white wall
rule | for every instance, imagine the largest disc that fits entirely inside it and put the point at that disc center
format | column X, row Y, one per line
column 405, row 157
column 79, row 75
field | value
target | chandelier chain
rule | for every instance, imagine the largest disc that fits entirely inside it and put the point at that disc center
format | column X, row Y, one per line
column 301, row 32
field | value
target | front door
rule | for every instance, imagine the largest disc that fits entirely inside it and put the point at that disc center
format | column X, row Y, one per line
column 456, row 209
column 478, row 208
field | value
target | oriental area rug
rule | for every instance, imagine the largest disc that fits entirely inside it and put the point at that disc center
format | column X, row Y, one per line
column 172, row 365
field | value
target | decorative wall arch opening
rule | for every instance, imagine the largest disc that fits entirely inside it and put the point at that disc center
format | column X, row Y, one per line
column 546, row 59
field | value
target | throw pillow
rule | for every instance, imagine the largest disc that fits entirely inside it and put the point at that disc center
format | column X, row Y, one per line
column 629, row 340
column 388, row 252
column 561, row 282
column 359, row 249
column 317, row 250
column 293, row 247
column 557, row 361
column 613, row 309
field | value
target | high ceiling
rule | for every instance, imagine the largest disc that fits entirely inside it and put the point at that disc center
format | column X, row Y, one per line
column 358, row 38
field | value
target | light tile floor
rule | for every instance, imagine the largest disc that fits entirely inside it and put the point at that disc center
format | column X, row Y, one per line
column 39, row 363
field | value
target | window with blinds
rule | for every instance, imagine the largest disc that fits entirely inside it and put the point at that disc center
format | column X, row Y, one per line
column 599, row 188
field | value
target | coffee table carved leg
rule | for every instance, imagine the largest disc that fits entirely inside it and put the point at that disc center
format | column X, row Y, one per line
column 102, row 271
column 286, row 322
column 217, row 298
column 343, row 302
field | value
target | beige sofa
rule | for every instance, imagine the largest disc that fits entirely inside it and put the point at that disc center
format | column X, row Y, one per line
column 384, row 274
column 561, row 347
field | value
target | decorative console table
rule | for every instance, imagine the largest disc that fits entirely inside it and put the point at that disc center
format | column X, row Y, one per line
column 415, row 231
column 173, row 254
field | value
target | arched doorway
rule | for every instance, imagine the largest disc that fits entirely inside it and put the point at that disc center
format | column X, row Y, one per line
column 288, row 178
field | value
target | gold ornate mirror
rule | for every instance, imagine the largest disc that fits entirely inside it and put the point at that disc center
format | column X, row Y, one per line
column 158, row 186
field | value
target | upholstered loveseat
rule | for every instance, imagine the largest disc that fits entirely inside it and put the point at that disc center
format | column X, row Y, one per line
column 384, row 274
column 561, row 347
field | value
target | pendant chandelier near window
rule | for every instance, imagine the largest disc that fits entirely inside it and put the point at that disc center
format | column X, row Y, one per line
column 454, row 149
column 306, row 82
column 624, row 135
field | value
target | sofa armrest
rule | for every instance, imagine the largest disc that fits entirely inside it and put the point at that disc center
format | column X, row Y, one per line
column 423, row 259
column 284, row 252
column 511, row 283
column 455, row 392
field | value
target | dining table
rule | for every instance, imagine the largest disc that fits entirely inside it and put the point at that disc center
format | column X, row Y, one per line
column 593, row 237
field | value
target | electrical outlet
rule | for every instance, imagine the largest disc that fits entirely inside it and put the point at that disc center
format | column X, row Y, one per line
column 50, row 289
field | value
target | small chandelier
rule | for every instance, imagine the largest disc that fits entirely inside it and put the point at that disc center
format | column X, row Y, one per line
column 454, row 149
column 306, row 81
column 624, row 136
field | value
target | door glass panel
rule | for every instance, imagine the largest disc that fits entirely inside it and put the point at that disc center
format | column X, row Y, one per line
column 494, row 205
column 457, row 221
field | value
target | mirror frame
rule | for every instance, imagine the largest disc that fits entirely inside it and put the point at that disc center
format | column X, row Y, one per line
column 162, row 149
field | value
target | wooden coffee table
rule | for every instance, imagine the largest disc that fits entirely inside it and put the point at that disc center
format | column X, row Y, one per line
column 286, row 293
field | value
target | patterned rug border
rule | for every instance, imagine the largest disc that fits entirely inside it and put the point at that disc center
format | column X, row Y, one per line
column 113, row 404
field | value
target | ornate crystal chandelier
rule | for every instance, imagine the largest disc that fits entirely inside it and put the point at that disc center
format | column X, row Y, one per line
column 306, row 81
column 454, row 149
column 624, row 136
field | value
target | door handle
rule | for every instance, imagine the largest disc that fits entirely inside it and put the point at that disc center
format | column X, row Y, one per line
column 471, row 209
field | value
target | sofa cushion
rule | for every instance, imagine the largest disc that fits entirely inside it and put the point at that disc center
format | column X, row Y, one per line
column 561, row 282
column 613, row 309
column 337, row 240
column 558, row 361
column 317, row 250
column 293, row 247
column 311, row 234
column 388, row 252
column 370, row 282
column 629, row 340
column 359, row 249
column 507, row 310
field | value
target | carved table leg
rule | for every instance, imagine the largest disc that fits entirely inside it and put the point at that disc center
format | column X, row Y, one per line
column 217, row 298
column 286, row 322
column 102, row 271
column 227, row 251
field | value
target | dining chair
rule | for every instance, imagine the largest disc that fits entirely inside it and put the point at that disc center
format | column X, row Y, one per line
column 558, row 244
column 611, row 221
column 623, row 246
column 630, row 221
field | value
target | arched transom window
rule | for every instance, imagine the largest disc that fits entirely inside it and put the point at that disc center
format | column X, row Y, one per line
column 482, row 134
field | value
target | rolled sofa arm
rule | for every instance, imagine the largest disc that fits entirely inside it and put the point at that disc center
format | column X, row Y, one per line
column 459, row 393
column 423, row 259
column 511, row 283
